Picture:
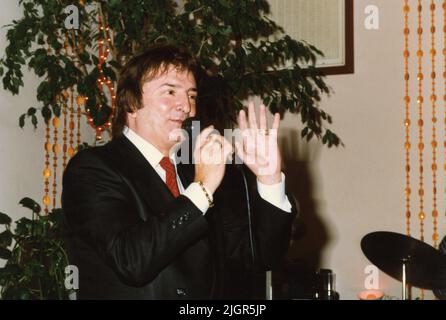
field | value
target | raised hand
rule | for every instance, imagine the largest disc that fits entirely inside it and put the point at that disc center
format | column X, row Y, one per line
column 259, row 148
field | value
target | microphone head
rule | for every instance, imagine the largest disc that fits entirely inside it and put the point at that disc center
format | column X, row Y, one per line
column 188, row 125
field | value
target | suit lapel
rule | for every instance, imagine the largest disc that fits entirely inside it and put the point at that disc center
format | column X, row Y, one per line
column 140, row 173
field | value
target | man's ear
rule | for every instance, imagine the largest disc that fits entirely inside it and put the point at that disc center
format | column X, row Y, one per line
column 131, row 115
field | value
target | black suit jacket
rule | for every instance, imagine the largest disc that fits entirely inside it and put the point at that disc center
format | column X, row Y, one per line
column 131, row 239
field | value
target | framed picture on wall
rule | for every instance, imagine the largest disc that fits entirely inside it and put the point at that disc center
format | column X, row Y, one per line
column 326, row 24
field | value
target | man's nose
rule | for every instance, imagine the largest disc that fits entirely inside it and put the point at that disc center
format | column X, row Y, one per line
column 184, row 103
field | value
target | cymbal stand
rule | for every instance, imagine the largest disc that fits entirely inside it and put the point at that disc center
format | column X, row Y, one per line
column 405, row 261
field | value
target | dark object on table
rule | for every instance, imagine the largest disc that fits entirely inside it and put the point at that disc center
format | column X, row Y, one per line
column 325, row 288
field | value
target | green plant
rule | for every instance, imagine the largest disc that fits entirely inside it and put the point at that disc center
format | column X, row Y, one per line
column 242, row 50
column 36, row 263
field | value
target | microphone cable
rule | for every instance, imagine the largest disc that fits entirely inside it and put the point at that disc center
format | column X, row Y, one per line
column 188, row 125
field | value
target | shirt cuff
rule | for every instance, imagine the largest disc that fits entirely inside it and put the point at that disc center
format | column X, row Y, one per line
column 197, row 196
column 275, row 194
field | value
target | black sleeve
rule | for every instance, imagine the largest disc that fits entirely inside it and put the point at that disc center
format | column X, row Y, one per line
column 103, row 211
column 261, row 241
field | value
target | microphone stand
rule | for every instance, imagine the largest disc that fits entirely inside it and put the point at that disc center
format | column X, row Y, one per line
column 269, row 285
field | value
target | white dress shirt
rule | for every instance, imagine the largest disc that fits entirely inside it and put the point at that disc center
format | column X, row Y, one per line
column 274, row 194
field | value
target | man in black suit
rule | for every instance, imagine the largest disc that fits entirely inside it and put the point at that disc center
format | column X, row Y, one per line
column 142, row 225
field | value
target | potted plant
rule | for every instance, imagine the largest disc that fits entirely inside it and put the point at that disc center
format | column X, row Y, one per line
column 35, row 265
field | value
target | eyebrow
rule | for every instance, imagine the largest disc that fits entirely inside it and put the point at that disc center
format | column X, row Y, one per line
column 177, row 86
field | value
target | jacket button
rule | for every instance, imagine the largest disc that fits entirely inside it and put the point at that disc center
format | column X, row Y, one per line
column 174, row 224
column 181, row 292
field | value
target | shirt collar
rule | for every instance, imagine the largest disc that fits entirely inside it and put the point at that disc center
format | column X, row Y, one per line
column 148, row 150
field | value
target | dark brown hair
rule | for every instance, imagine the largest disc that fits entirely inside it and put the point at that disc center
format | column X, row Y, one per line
column 141, row 68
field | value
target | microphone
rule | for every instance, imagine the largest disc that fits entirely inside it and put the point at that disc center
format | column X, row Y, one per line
column 189, row 125
column 192, row 127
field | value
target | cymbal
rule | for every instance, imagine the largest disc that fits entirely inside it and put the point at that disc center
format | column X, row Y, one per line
column 425, row 265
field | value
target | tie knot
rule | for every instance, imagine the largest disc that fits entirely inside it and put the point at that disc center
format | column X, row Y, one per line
column 167, row 165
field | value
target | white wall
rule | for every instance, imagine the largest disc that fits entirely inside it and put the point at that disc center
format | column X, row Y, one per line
column 21, row 150
column 359, row 189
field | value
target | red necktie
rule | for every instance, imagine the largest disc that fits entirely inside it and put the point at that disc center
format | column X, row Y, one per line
column 171, row 177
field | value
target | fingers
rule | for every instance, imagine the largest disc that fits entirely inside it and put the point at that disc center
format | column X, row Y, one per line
column 263, row 123
column 214, row 138
column 212, row 144
column 276, row 121
column 242, row 120
column 252, row 116
column 227, row 149
column 222, row 145
column 216, row 150
column 240, row 152
column 252, row 119
column 203, row 136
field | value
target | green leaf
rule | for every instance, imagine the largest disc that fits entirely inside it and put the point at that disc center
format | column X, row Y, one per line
column 325, row 138
column 114, row 64
column 22, row 120
column 323, row 115
column 24, row 296
column 30, row 204
column 83, row 146
column 46, row 113
column 5, row 238
column 56, row 110
column 23, row 227
column 212, row 30
column 34, row 121
column 188, row 7
column 31, row 111
column 5, row 219
column 310, row 135
column 224, row 3
column 40, row 39
column 20, row 59
column 5, row 254
column 56, row 215
column 226, row 31
column 113, row 3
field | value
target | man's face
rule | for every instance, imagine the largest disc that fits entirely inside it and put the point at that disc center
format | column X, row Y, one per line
column 167, row 99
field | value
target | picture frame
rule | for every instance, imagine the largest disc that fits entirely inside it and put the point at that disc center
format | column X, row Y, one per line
column 326, row 24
